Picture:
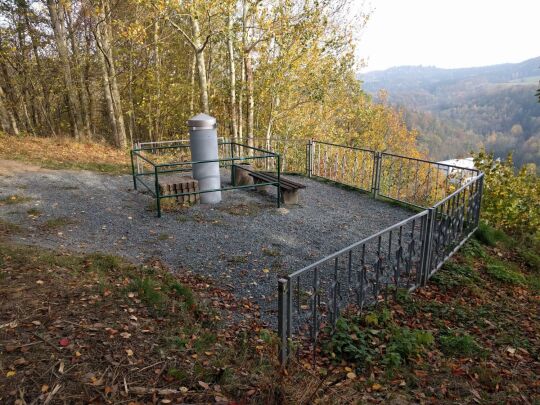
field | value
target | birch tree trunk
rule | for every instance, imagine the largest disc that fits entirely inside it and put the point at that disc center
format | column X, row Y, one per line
column 112, row 94
column 192, row 86
column 9, row 122
column 80, row 77
column 56, row 13
column 232, row 78
column 201, row 64
column 157, row 115
column 250, row 98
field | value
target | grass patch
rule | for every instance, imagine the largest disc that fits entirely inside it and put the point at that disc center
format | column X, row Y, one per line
column 530, row 258
column 270, row 252
column 460, row 345
column 8, row 227
column 34, row 212
column 14, row 199
column 489, row 236
column 473, row 250
column 504, row 273
column 184, row 292
column 239, row 259
column 148, row 291
column 55, row 223
column 163, row 236
column 65, row 153
column 242, row 209
column 455, row 274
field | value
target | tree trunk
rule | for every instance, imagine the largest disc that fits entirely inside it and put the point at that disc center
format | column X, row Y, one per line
column 157, row 72
column 232, row 79
column 9, row 123
column 201, row 65
column 79, row 74
column 104, row 41
column 250, row 98
column 57, row 21
column 192, row 86
column 108, row 95
column 131, row 114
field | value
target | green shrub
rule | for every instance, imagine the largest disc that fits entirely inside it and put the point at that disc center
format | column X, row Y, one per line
column 405, row 343
column 511, row 200
column 349, row 343
column 473, row 249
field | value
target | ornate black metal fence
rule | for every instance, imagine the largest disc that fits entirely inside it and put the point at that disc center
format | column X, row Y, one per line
column 404, row 255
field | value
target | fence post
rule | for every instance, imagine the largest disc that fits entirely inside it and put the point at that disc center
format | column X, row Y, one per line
column 480, row 195
column 233, row 171
column 309, row 158
column 282, row 321
column 376, row 178
column 158, row 199
column 425, row 268
column 137, row 147
column 133, row 170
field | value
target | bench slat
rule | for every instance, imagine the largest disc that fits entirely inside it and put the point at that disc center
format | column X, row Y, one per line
column 284, row 183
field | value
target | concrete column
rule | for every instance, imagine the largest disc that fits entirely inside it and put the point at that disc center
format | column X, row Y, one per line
column 204, row 146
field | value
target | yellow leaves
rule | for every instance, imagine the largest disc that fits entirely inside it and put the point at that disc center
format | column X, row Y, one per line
column 11, row 373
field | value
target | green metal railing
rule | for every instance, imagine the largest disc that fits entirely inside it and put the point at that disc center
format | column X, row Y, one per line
column 156, row 166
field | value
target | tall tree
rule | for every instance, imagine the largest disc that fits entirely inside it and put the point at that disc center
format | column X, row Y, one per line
column 104, row 42
column 57, row 13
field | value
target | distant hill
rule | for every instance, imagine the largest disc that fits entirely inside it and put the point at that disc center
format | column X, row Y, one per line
column 458, row 110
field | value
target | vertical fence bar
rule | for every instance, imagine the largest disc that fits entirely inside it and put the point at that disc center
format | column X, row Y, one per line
column 282, row 320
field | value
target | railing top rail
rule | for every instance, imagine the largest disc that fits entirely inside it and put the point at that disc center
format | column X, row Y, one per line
column 267, row 154
column 280, row 139
column 249, row 147
column 234, row 158
column 356, row 244
column 459, row 190
column 136, row 153
column 431, row 162
column 344, row 146
column 220, row 138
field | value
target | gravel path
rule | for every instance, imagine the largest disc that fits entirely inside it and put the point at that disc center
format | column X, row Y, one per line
column 244, row 242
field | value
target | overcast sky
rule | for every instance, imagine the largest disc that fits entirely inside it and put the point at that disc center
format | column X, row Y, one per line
column 449, row 33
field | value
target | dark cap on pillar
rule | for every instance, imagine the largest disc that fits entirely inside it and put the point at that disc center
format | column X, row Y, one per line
column 201, row 121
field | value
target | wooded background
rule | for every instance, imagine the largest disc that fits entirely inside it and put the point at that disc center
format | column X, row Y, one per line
column 127, row 70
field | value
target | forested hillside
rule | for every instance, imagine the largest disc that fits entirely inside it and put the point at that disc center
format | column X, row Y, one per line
column 138, row 69
column 459, row 110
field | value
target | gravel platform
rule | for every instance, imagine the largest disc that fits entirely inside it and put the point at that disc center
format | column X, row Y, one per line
column 245, row 242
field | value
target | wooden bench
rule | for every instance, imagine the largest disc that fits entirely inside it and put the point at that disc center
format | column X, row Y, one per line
column 289, row 189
